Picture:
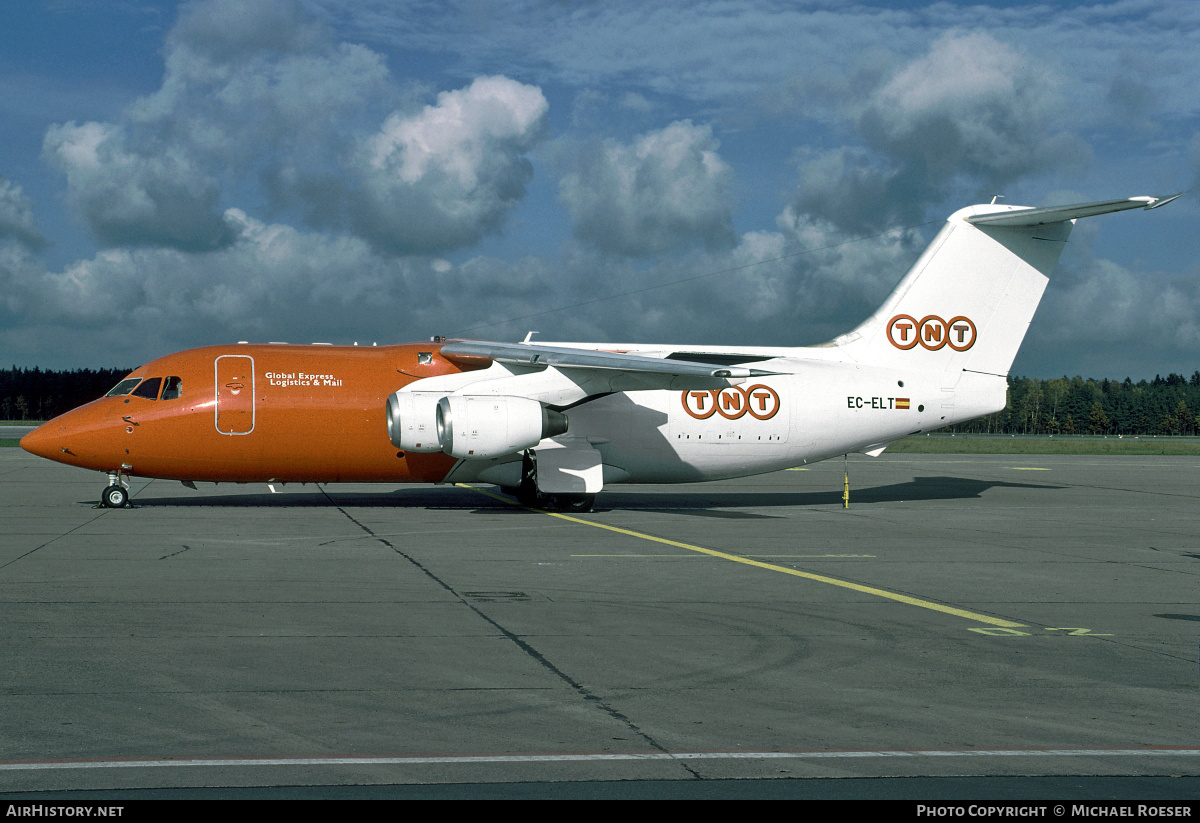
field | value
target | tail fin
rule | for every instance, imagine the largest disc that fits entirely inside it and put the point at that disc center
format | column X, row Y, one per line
column 968, row 301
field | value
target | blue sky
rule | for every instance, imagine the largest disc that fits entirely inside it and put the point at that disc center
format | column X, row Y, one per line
column 181, row 174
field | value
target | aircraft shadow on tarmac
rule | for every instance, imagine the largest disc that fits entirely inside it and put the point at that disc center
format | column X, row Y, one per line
column 687, row 500
column 718, row 504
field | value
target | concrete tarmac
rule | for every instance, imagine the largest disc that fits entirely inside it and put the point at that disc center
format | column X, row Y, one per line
column 982, row 615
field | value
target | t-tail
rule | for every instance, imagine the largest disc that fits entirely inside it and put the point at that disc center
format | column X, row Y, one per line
column 966, row 304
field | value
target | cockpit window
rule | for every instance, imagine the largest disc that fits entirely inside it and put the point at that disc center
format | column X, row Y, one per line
column 148, row 388
column 124, row 387
column 173, row 388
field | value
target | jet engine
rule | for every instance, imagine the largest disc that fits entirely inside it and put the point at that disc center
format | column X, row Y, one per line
column 412, row 420
column 476, row 427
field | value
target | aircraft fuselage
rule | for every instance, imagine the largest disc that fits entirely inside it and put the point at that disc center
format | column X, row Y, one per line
column 316, row 413
column 253, row 413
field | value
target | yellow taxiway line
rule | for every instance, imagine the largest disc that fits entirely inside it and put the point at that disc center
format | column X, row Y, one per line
column 820, row 578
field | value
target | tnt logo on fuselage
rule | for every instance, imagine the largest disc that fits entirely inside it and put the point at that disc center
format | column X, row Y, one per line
column 932, row 332
column 759, row 401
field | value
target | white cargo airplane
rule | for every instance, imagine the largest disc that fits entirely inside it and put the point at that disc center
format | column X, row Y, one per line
column 555, row 423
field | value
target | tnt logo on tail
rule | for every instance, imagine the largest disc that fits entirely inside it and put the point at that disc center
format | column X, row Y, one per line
column 932, row 332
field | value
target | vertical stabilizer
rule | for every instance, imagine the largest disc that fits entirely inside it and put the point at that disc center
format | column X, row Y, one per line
column 968, row 301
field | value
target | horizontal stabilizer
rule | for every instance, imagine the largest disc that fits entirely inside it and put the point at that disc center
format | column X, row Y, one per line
column 1058, row 214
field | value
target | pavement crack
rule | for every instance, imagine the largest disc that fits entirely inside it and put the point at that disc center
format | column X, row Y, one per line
column 589, row 697
column 54, row 539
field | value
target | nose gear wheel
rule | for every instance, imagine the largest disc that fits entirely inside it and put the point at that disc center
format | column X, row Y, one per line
column 116, row 495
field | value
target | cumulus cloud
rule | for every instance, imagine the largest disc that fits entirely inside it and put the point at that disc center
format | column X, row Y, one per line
column 259, row 88
column 276, row 282
column 16, row 216
column 803, row 283
column 232, row 30
column 972, row 113
column 668, row 189
column 125, row 305
column 249, row 88
column 1109, row 320
column 973, row 105
column 260, row 101
column 136, row 197
column 272, row 281
column 281, row 183
column 443, row 177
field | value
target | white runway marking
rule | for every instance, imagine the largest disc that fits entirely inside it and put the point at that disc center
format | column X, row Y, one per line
column 418, row 760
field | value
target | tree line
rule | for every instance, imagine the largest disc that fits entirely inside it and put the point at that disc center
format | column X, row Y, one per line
column 1163, row 406
column 1063, row 405
column 37, row 394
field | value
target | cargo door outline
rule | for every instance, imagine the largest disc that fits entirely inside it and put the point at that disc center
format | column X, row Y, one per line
column 234, row 391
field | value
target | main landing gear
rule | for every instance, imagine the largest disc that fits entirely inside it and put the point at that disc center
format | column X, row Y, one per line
column 573, row 502
column 116, row 496
column 527, row 493
column 556, row 502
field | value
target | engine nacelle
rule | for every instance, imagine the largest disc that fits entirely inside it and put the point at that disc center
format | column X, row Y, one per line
column 476, row 427
column 412, row 420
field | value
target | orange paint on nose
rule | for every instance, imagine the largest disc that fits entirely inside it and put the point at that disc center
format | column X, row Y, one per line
column 82, row 437
column 41, row 441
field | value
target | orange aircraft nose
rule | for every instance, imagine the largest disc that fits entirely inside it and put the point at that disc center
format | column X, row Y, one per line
column 81, row 437
column 41, row 441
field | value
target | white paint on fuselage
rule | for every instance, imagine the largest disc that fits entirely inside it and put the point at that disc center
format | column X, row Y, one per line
column 825, row 409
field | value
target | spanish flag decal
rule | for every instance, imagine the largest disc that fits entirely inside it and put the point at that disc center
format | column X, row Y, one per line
column 902, row 402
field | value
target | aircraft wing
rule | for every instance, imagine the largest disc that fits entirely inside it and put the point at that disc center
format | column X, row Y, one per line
column 539, row 356
column 1057, row 214
column 512, row 379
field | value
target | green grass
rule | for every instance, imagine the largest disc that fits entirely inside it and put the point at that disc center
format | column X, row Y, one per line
column 13, row 442
column 985, row 444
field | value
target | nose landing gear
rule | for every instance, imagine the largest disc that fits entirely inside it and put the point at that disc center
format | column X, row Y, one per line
column 116, row 496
